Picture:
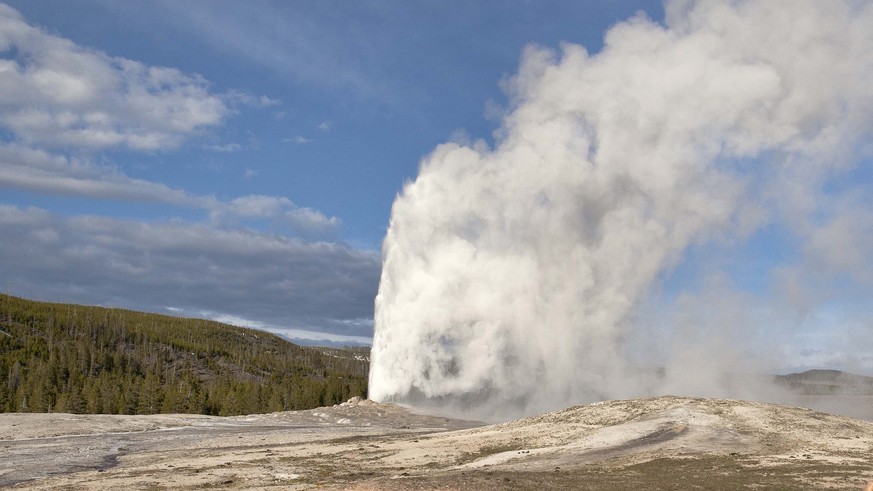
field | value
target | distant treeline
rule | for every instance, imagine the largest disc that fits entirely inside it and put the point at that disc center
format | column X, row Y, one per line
column 78, row 359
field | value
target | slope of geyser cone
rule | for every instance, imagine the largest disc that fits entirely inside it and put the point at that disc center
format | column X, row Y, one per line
column 632, row 431
column 667, row 442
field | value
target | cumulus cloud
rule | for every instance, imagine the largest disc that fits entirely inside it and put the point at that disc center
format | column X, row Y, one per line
column 56, row 96
column 54, row 92
column 60, row 101
column 33, row 170
column 226, row 148
column 305, row 221
column 280, row 282
column 512, row 275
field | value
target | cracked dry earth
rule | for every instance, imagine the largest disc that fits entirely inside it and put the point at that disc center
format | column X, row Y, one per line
column 659, row 443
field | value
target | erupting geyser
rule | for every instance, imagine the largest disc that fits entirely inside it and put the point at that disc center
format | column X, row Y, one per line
column 511, row 273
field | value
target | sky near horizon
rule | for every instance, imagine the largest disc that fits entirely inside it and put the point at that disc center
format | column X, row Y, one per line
column 238, row 160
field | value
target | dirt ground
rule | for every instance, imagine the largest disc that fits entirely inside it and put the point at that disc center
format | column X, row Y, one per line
column 658, row 443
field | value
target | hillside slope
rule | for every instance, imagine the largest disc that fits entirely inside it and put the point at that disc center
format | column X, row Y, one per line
column 78, row 359
column 827, row 382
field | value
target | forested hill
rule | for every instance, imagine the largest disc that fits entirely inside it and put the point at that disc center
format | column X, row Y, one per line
column 78, row 359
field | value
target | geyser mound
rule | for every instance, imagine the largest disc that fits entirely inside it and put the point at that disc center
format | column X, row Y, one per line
column 512, row 273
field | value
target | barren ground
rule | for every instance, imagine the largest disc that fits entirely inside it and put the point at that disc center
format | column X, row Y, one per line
column 659, row 443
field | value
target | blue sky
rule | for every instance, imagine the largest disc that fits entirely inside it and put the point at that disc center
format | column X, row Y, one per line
column 238, row 160
column 320, row 111
column 355, row 95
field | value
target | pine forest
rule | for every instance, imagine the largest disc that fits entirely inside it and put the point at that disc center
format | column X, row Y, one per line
column 79, row 359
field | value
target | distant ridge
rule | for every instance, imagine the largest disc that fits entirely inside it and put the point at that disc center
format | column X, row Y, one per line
column 57, row 357
column 827, row 382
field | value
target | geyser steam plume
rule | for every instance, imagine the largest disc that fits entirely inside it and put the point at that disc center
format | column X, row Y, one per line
column 511, row 275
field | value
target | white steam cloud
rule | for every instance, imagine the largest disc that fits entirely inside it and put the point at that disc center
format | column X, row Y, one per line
column 512, row 275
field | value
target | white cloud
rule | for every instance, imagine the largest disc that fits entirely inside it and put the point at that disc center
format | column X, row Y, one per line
column 299, row 139
column 33, row 170
column 54, row 92
column 235, row 97
column 320, row 337
column 39, row 171
column 303, row 220
column 296, row 335
column 226, row 148
column 57, row 97
column 259, row 205
column 312, row 220
column 325, row 125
